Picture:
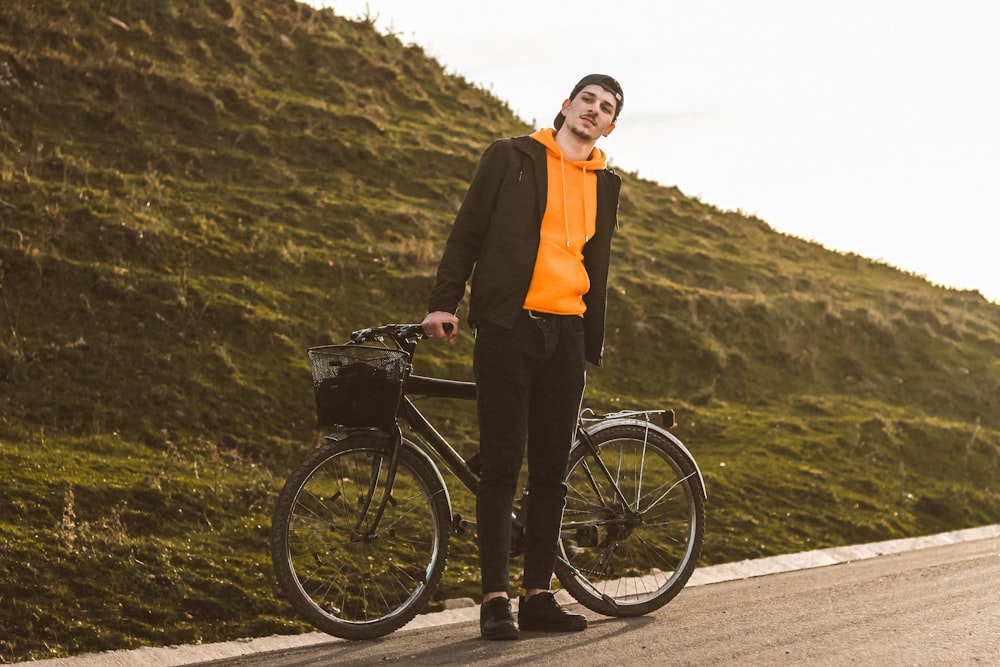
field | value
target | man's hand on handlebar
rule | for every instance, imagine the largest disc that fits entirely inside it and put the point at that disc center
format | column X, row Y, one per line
column 440, row 324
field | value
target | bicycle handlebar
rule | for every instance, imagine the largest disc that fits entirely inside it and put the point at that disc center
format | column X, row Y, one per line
column 405, row 336
column 399, row 333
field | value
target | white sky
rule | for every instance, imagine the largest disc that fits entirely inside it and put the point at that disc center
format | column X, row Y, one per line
column 870, row 126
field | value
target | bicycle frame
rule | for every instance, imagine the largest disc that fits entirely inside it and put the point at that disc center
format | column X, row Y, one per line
column 412, row 417
column 441, row 388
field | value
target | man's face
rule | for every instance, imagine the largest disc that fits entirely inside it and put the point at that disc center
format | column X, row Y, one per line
column 591, row 114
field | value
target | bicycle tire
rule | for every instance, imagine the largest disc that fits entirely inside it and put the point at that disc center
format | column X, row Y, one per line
column 340, row 576
column 630, row 559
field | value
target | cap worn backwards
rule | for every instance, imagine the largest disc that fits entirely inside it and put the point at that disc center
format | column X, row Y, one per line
column 608, row 83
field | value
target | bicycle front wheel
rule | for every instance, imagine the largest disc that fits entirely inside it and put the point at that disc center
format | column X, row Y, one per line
column 349, row 574
column 633, row 528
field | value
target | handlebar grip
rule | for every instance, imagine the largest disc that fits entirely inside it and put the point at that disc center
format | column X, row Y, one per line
column 448, row 328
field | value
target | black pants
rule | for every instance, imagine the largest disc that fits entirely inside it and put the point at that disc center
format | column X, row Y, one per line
column 530, row 382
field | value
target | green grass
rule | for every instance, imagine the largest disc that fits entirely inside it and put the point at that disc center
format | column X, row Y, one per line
column 110, row 544
column 190, row 201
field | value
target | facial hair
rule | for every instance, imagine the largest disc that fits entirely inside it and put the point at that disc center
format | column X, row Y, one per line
column 581, row 132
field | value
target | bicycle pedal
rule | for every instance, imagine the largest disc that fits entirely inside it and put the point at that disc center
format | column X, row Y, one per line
column 460, row 525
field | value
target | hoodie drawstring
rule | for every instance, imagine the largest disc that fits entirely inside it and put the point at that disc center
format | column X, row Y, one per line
column 562, row 170
column 583, row 191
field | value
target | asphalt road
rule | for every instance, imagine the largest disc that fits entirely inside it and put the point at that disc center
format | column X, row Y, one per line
column 938, row 605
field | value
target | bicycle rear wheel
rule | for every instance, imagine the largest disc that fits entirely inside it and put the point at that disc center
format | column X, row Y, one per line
column 630, row 555
column 344, row 574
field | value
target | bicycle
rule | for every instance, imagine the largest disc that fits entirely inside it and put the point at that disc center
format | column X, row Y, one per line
column 360, row 531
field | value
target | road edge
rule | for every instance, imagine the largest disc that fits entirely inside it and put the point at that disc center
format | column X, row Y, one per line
column 175, row 656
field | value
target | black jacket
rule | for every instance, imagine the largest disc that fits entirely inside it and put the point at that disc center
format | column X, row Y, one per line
column 497, row 232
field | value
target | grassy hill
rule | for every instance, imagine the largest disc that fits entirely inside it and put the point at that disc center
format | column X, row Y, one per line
column 191, row 194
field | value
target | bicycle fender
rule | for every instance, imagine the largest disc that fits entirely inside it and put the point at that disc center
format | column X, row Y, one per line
column 343, row 436
column 599, row 426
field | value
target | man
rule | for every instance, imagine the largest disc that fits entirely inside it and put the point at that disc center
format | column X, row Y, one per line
column 534, row 233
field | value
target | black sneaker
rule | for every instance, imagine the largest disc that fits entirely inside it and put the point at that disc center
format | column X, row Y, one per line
column 496, row 621
column 542, row 613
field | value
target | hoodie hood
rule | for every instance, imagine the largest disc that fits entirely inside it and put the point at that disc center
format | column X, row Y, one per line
column 547, row 138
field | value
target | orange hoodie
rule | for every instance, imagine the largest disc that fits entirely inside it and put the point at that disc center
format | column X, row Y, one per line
column 560, row 279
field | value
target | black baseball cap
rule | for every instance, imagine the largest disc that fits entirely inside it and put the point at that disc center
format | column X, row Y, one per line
column 608, row 83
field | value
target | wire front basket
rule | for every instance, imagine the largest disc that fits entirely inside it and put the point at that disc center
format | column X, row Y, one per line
column 357, row 385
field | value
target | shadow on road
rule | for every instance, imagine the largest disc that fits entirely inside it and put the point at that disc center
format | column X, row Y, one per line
column 457, row 644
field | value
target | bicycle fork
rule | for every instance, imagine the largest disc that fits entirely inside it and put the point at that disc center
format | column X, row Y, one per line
column 390, row 479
